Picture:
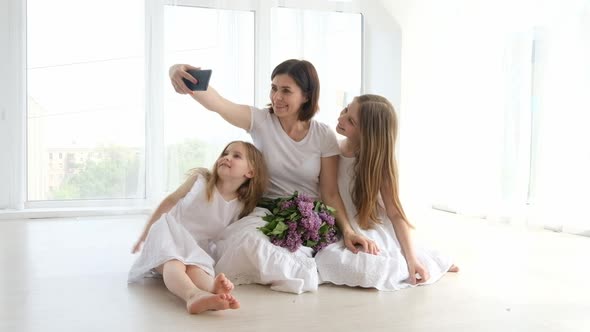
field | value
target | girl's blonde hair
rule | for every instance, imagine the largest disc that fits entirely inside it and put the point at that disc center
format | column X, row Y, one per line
column 375, row 161
column 250, row 192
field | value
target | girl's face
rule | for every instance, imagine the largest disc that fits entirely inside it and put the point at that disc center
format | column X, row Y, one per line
column 348, row 122
column 286, row 96
column 233, row 163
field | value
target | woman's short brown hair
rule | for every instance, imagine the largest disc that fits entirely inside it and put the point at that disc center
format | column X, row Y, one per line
column 306, row 77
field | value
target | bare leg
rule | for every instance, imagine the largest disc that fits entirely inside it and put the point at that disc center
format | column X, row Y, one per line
column 180, row 284
column 454, row 268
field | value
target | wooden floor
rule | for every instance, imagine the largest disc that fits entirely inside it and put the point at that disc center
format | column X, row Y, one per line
column 70, row 275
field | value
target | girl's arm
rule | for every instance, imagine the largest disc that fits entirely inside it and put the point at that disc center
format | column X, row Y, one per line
column 331, row 197
column 236, row 114
column 166, row 205
column 402, row 232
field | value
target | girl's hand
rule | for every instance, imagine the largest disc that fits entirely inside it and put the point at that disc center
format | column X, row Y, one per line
column 418, row 273
column 352, row 240
column 177, row 73
column 137, row 246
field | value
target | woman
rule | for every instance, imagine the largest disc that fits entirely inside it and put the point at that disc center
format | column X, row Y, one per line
column 368, row 182
column 301, row 154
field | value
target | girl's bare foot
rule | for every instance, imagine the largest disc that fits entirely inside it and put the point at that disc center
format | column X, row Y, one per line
column 200, row 302
column 222, row 285
column 233, row 302
column 454, row 268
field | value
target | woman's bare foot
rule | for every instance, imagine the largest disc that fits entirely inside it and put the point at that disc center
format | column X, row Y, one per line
column 222, row 285
column 200, row 302
column 454, row 268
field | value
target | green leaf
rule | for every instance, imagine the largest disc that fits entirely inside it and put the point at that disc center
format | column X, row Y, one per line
column 310, row 243
column 267, row 203
column 316, row 206
column 271, row 225
column 280, row 228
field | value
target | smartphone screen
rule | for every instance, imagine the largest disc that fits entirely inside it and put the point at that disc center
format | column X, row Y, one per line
column 202, row 77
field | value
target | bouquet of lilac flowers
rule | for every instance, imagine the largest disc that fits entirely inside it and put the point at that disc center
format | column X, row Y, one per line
column 299, row 220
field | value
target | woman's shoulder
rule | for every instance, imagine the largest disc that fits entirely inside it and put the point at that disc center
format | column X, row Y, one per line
column 321, row 127
column 325, row 138
column 265, row 111
column 260, row 115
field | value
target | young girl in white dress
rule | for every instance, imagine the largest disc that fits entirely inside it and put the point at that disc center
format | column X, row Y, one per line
column 178, row 236
column 368, row 184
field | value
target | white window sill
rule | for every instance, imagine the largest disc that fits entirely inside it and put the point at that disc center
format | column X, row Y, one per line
column 39, row 213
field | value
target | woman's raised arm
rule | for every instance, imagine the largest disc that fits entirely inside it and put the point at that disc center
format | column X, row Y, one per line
column 236, row 114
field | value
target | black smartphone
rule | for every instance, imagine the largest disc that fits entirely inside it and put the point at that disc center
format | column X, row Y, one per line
column 202, row 77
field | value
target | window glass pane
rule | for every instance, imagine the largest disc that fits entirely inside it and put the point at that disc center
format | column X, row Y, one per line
column 332, row 41
column 85, row 74
column 221, row 40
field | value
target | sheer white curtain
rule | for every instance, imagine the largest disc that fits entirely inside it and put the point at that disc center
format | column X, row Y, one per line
column 494, row 116
column 561, row 172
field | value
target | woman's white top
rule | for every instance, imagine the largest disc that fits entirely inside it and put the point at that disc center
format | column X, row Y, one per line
column 293, row 166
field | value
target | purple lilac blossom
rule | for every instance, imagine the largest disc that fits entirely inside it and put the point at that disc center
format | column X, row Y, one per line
column 286, row 204
column 328, row 218
column 306, row 226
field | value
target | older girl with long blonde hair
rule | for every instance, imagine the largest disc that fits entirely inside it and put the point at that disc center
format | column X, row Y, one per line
column 368, row 182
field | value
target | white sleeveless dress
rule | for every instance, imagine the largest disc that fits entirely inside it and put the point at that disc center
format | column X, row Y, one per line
column 187, row 232
column 387, row 271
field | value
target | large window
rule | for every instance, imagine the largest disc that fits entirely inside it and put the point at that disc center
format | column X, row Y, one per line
column 85, row 74
column 97, row 122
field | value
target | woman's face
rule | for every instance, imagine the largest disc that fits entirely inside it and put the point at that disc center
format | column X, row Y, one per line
column 285, row 96
column 348, row 121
